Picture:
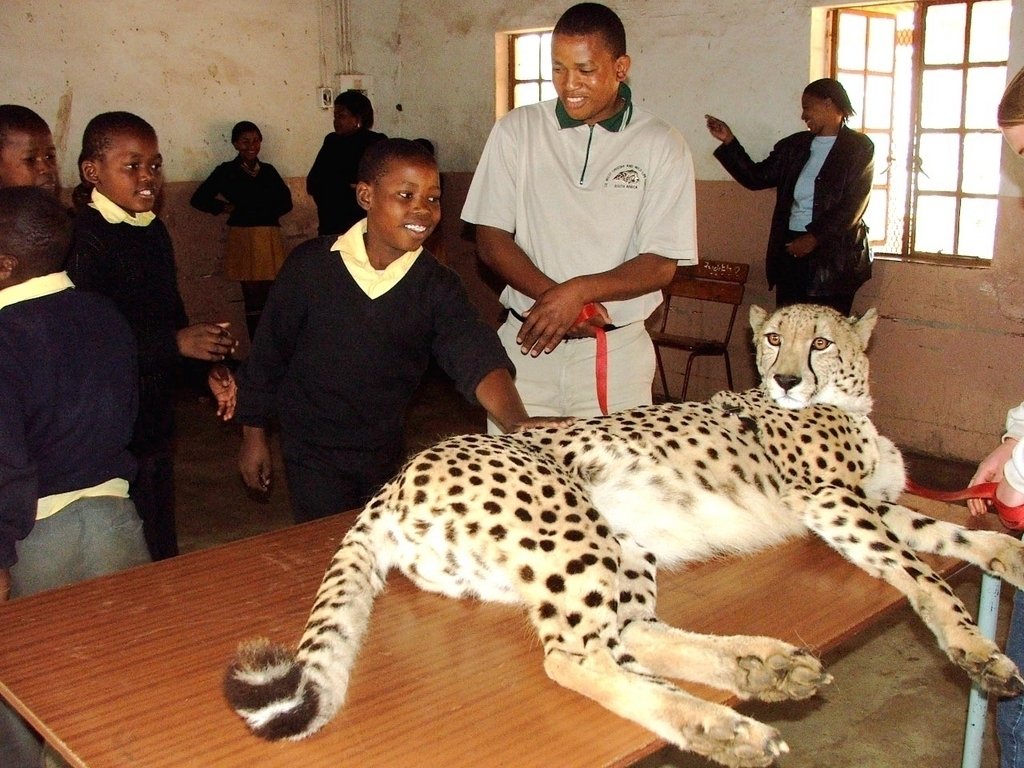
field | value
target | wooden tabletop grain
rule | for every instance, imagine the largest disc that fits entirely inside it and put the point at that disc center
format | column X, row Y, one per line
column 125, row 671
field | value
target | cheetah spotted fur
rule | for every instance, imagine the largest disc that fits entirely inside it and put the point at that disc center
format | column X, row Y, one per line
column 573, row 522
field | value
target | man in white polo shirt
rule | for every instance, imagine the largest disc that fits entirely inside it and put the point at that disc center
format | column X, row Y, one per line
column 586, row 201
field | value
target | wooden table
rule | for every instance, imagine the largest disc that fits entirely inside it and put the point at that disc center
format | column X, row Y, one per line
column 125, row 671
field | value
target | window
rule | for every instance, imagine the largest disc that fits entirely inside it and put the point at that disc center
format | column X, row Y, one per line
column 529, row 65
column 925, row 79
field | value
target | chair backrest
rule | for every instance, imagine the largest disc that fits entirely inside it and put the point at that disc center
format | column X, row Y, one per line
column 723, row 282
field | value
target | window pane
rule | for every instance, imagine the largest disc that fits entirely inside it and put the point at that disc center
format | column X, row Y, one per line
column 938, row 155
column 984, row 89
column 853, row 82
column 990, row 26
column 977, row 227
column 525, row 93
column 547, row 90
column 934, row 230
column 878, row 102
column 527, row 53
column 875, row 215
column 880, row 44
column 881, row 141
column 981, row 163
column 853, row 33
column 941, row 97
column 545, row 56
column 944, row 29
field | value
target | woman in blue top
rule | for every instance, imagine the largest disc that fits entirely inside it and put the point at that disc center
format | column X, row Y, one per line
column 817, row 248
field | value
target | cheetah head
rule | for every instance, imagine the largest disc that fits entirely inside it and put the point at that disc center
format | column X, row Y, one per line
column 810, row 355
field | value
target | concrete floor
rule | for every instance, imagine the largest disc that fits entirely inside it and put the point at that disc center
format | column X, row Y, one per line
column 896, row 701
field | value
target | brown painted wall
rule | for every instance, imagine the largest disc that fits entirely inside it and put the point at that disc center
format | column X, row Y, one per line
column 946, row 355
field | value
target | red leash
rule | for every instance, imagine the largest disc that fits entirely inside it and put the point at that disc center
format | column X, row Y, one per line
column 1011, row 517
column 601, row 361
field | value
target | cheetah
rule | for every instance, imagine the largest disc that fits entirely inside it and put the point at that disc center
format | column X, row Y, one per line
column 572, row 523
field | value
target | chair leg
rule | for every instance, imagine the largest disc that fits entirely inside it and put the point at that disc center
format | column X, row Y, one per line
column 661, row 371
column 728, row 369
column 686, row 376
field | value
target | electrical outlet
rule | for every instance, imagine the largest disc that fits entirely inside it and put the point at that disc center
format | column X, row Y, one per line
column 355, row 82
column 326, row 98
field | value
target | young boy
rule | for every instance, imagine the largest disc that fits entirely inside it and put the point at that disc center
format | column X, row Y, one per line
column 68, row 388
column 123, row 251
column 28, row 157
column 347, row 334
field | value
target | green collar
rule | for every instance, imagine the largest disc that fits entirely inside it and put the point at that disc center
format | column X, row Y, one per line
column 613, row 124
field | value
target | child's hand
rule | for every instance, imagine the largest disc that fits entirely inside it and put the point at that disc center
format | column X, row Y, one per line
column 224, row 389
column 254, row 459
column 207, row 341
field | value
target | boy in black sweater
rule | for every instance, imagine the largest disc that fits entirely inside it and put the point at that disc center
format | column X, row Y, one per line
column 347, row 334
column 68, row 388
column 122, row 250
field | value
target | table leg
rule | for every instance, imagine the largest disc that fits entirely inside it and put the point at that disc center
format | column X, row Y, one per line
column 977, row 706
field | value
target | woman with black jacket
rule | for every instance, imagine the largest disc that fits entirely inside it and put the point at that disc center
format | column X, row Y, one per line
column 332, row 179
column 817, row 249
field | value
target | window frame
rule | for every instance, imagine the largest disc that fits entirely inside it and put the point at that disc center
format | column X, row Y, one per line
column 507, row 77
column 912, row 171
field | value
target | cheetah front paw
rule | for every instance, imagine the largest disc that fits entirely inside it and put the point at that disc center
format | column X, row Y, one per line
column 795, row 674
column 738, row 742
column 1008, row 562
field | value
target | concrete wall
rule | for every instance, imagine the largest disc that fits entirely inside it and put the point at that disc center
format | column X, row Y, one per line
column 946, row 354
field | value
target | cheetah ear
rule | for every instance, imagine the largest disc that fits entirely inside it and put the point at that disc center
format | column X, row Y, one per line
column 865, row 325
column 757, row 318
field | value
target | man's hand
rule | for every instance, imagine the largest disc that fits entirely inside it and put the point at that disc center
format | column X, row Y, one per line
column 1009, row 495
column 555, row 316
column 990, row 470
column 207, row 341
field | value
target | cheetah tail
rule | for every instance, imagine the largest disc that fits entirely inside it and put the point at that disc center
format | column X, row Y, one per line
column 285, row 694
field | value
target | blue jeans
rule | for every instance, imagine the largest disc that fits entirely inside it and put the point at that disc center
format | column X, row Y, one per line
column 1010, row 712
column 89, row 537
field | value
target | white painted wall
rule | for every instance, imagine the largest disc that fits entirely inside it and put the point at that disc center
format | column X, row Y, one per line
column 191, row 69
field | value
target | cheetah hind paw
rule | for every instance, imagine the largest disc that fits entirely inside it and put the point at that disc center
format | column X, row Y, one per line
column 781, row 676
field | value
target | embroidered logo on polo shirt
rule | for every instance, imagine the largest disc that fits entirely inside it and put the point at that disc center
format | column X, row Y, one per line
column 625, row 177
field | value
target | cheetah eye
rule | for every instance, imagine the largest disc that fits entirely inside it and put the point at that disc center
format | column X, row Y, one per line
column 773, row 339
column 820, row 343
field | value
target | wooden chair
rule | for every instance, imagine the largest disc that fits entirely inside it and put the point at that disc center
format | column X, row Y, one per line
column 721, row 282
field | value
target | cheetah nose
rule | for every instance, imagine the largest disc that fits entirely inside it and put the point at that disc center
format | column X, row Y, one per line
column 786, row 380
